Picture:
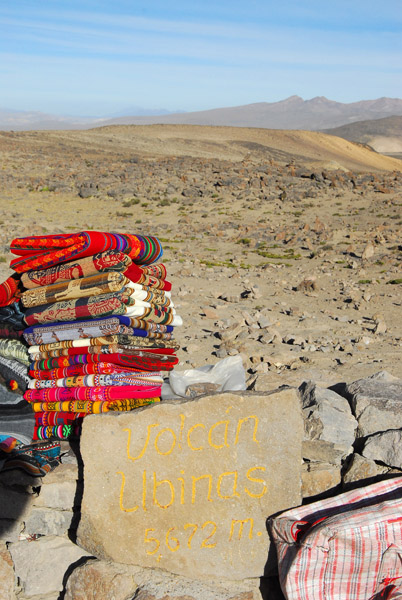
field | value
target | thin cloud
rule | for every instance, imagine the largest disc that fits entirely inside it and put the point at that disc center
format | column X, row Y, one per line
column 196, row 56
column 275, row 46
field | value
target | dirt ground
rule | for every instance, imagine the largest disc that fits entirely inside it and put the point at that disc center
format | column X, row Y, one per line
column 284, row 247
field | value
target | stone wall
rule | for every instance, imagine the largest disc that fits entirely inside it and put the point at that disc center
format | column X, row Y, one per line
column 170, row 502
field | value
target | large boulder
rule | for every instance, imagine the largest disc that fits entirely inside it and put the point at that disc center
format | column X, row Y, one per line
column 7, row 578
column 385, row 448
column 327, row 418
column 377, row 403
column 40, row 565
column 100, row 579
column 360, row 468
column 187, row 486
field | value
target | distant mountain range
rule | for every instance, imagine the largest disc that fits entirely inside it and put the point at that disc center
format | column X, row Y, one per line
column 21, row 120
column 138, row 111
column 293, row 113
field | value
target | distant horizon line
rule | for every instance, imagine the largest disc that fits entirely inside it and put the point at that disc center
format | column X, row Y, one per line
column 149, row 112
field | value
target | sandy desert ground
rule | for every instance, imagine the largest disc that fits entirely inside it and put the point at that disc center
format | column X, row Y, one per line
column 283, row 246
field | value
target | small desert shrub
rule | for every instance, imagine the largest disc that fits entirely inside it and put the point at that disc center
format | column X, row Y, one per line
column 131, row 202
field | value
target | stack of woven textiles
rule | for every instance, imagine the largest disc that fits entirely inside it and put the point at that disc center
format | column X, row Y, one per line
column 100, row 325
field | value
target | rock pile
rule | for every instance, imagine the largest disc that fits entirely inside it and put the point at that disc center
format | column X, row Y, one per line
column 351, row 432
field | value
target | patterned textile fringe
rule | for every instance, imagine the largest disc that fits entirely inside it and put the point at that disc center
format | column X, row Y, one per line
column 57, row 432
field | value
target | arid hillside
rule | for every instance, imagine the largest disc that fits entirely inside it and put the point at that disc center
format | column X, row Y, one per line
column 383, row 135
column 227, row 143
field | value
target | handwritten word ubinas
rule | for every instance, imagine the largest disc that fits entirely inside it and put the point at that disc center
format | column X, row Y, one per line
column 226, row 486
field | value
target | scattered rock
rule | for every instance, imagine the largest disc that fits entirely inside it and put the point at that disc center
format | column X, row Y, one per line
column 6, row 574
column 385, row 447
column 45, row 521
column 308, row 285
column 368, row 252
column 40, row 565
column 376, row 402
column 327, row 417
column 318, row 478
column 322, row 451
column 197, row 389
column 98, row 579
column 231, row 333
column 361, row 468
column 211, row 313
column 380, row 326
column 294, row 340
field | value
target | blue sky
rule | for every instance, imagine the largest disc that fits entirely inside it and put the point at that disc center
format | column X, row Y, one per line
column 97, row 58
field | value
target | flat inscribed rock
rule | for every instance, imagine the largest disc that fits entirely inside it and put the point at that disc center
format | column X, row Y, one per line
column 187, row 486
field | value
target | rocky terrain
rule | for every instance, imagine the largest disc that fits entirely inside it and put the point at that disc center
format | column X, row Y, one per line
column 272, row 253
column 285, row 249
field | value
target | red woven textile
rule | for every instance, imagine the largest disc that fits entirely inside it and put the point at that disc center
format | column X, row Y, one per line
column 115, row 348
column 41, row 252
column 10, row 291
column 102, row 262
column 141, row 361
column 56, row 418
column 99, row 368
column 76, row 309
column 145, row 276
column 99, row 394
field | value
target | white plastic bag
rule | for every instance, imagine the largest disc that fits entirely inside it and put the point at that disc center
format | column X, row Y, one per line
column 228, row 375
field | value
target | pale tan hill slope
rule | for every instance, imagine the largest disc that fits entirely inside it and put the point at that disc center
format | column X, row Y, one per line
column 235, row 143
column 313, row 149
column 383, row 135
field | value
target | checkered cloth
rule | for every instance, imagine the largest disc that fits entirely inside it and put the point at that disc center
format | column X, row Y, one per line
column 343, row 548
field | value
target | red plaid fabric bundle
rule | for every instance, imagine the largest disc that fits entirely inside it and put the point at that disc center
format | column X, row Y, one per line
column 344, row 548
